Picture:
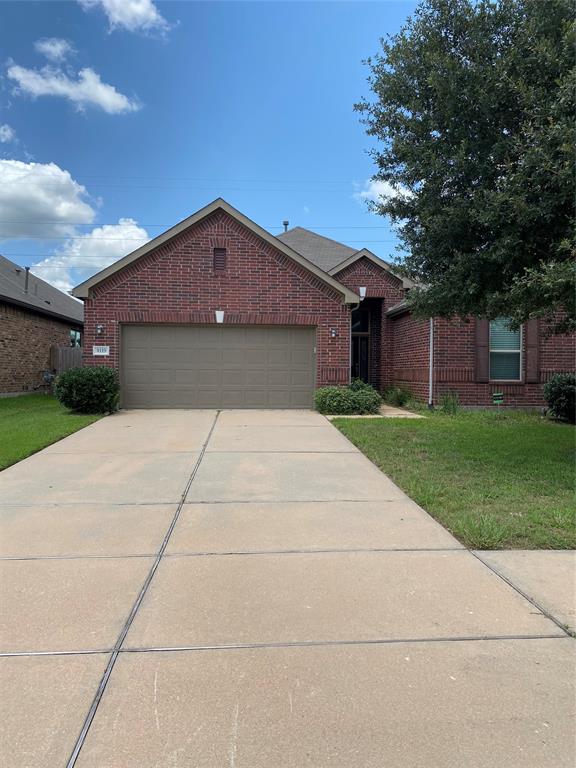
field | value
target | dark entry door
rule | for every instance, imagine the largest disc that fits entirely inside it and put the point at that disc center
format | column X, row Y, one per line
column 360, row 367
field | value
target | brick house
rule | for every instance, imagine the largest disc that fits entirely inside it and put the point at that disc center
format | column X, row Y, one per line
column 33, row 316
column 217, row 312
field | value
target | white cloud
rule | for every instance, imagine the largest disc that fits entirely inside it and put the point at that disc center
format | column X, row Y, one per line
column 40, row 200
column 54, row 48
column 7, row 134
column 376, row 191
column 133, row 15
column 83, row 256
column 88, row 89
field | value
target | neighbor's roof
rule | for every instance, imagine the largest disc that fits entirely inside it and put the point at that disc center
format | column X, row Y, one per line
column 320, row 250
column 349, row 297
column 41, row 296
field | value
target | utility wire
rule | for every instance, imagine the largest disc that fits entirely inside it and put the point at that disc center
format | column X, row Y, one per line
column 148, row 224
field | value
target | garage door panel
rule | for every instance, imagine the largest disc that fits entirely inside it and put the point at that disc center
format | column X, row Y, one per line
column 234, row 356
column 209, row 377
column 203, row 358
column 280, row 377
column 217, row 367
column 207, row 337
column 301, row 379
column 256, row 356
column 279, row 356
column 186, row 377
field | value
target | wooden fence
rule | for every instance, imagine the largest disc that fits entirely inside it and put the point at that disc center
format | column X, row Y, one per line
column 63, row 358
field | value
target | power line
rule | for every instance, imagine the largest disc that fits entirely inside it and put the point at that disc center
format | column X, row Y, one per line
column 148, row 224
column 210, row 179
column 50, row 255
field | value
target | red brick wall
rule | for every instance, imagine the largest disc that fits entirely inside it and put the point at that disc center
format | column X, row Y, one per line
column 454, row 362
column 410, row 354
column 25, row 341
column 176, row 283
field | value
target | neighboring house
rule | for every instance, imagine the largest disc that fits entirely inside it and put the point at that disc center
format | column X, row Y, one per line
column 33, row 316
column 217, row 312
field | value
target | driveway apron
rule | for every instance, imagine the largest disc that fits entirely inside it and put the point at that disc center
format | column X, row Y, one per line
column 244, row 589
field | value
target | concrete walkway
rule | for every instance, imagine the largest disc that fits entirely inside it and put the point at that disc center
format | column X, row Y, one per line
column 244, row 589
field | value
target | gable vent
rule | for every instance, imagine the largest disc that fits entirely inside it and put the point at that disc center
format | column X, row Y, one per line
column 219, row 258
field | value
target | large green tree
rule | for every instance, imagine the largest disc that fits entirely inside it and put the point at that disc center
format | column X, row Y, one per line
column 473, row 109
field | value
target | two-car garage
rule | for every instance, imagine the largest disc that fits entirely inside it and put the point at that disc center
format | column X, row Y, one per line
column 217, row 366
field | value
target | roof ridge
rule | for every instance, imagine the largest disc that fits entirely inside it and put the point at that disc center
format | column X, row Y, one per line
column 323, row 237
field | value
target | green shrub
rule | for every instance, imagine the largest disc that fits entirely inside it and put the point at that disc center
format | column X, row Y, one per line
column 449, row 402
column 357, row 384
column 346, row 401
column 88, row 390
column 397, row 396
column 560, row 394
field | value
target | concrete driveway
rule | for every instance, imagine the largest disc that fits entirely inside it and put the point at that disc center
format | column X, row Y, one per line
column 245, row 590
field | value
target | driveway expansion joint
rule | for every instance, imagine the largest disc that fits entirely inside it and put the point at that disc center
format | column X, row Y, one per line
column 337, row 643
column 567, row 632
column 134, row 610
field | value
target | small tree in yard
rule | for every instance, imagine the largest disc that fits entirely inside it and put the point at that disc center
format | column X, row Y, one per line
column 474, row 112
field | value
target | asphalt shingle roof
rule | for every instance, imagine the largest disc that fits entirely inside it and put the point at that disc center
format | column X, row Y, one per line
column 41, row 296
column 320, row 250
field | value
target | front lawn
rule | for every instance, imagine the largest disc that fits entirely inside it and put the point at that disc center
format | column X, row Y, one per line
column 29, row 423
column 495, row 481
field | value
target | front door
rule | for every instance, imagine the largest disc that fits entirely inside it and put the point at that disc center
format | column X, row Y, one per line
column 360, row 367
column 360, row 344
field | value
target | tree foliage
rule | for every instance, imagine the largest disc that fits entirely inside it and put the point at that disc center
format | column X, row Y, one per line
column 473, row 110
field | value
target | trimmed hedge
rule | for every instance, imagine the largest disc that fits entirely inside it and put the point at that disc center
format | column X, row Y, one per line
column 88, row 390
column 560, row 394
column 357, row 399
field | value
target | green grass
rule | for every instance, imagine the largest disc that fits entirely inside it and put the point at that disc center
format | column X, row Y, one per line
column 29, row 423
column 495, row 481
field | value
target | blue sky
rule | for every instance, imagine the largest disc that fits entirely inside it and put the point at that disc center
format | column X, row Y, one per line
column 118, row 118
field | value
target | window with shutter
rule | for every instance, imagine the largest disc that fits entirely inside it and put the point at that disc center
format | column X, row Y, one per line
column 505, row 351
column 219, row 259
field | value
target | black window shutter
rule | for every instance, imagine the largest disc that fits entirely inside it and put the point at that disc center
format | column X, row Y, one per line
column 532, row 352
column 482, row 344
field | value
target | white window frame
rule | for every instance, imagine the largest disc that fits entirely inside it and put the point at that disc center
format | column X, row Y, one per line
column 491, row 351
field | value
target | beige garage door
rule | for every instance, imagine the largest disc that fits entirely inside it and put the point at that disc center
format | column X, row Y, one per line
column 184, row 366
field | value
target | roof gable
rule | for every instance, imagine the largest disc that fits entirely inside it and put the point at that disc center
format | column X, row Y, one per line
column 364, row 253
column 83, row 290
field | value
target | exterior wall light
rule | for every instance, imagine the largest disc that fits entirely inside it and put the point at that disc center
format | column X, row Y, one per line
column 219, row 316
column 99, row 329
column 333, row 333
column 362, row 292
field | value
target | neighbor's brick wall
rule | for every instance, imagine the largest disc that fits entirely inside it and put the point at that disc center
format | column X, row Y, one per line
column 455, row 358
column 176, row 283
column 383, row 290
column 25, row 341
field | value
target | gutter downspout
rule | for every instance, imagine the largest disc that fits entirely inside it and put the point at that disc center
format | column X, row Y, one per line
column 431, row 366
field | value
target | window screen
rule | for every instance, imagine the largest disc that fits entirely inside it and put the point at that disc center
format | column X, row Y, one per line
column 505, row 351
